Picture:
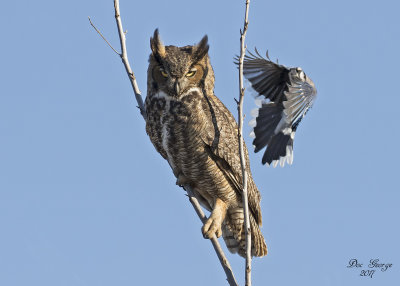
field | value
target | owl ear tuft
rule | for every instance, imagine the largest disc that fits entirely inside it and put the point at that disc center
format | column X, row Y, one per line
column 156, row 45
column 201, row 49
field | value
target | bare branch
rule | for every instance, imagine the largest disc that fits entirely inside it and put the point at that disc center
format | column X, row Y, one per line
column 241, row 148
column 124, row 57
column 196, row 205
column 217, row 247
column 103, row 37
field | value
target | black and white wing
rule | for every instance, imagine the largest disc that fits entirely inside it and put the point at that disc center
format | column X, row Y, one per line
column 284, row 97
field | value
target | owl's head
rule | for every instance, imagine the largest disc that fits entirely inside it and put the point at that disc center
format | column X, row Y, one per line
column 175, row 70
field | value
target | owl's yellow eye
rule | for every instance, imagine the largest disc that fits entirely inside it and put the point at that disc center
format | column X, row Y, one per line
column 191, row 73
column 163, row 73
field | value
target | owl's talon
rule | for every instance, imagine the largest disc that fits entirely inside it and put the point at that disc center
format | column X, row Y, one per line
column 219, row 232
column 182, row 180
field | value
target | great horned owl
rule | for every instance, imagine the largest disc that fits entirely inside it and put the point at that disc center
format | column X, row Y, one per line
column 284, row 97
column 191, row 128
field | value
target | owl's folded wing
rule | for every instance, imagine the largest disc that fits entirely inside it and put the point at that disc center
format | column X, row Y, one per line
column 220, row 138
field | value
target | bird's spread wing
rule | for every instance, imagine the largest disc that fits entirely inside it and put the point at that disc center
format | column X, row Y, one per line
column 284, row 97
column 300, row 97
column 267, row 78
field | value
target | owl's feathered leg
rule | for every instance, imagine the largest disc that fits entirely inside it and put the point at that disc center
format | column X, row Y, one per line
column 214, row 222
column 234, row 234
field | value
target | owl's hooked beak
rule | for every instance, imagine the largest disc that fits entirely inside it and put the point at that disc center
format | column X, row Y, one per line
column 177, row 87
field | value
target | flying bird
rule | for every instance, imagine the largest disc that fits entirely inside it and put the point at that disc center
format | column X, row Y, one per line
column 284, row 97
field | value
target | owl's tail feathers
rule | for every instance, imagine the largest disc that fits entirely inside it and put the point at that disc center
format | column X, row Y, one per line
column 233, row 233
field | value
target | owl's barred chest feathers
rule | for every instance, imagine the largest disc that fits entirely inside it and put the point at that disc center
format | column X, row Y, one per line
column 173, row 124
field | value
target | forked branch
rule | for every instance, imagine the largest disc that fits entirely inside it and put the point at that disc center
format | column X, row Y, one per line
column 196, row 205
column 241, row 148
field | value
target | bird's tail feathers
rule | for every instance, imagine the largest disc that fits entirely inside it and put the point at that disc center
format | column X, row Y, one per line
column 272, row 128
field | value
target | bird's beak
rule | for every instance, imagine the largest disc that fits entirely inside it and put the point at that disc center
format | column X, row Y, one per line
column 177, row 87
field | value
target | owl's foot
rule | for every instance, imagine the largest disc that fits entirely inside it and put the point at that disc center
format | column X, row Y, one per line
column 213, row 224
column 211, row 227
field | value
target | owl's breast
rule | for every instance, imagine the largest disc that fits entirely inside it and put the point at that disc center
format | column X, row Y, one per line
column 170, row 125
column 177, row 130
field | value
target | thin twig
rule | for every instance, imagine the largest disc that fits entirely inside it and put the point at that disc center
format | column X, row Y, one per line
column 196, row 205
column 124, row 57
column 241, row 148
column 98, row 32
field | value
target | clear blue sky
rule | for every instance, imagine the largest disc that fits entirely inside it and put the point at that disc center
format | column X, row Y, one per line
column 86, row 200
